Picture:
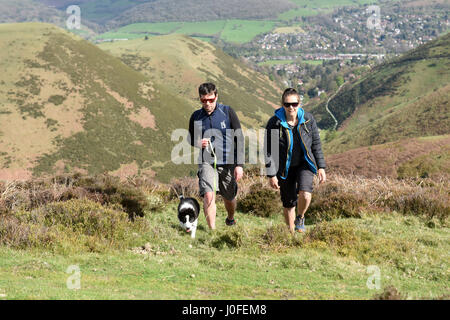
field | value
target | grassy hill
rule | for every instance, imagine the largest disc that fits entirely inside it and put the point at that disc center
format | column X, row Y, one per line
column 401, row 98
column 426, row 157
column 182, row 63
column 67, row 105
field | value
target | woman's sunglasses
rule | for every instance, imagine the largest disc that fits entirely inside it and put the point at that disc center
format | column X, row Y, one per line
column 291, row 104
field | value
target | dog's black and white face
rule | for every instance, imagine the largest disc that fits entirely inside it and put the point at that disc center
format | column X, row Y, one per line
column 188, row 211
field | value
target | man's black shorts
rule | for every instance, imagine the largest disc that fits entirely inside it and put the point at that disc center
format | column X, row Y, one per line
column 300, row 178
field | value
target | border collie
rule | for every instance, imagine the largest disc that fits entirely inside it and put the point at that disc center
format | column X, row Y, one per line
column 188, row 211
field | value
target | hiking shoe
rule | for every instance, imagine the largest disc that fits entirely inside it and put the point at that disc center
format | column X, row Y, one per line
column 231, row 222
column 299, row 224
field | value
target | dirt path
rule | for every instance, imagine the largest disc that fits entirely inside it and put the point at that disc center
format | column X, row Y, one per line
column 326, row 106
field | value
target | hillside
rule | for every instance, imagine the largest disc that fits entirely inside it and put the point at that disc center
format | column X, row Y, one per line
column 405, row 97
column 29, row 10
column 112, row 13
column 14, row 11
column 427, row 157
column 182, row 63
column 67, row 105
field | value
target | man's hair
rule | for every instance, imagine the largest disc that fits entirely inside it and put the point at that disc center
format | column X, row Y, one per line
column 207, row 88
column 289, row 92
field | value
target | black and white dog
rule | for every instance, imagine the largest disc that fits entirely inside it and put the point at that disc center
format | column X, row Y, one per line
column 188, row 211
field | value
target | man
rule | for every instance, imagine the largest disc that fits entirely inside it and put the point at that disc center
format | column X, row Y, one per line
column 292, row 167
column 215, row 128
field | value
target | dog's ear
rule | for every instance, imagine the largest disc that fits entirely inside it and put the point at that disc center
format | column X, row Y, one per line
column 181, row 197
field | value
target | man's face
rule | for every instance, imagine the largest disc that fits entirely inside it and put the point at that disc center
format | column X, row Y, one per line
column 209, row 102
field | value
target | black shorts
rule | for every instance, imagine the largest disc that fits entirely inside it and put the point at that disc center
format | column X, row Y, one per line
column 299, row 178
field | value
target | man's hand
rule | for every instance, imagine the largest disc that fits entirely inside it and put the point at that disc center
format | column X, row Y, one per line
column 322, row 176
column 274, row 182
column 238, row 173
column 204, row 143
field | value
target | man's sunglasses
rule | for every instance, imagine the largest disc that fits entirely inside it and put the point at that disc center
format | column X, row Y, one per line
column 291, row 104
column 208, row 100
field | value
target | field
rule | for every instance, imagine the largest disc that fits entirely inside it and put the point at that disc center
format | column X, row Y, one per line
column 232, row 30
column 275, row 62
column 238, row 31
column 241, row 31
column 153, row 258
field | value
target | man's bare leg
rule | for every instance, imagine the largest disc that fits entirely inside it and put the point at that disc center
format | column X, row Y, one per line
column 209, row 207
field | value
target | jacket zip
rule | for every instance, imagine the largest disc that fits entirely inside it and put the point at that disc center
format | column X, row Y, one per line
column 287, row 151
column 304, row 147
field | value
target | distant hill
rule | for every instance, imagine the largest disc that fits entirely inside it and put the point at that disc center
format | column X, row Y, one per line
column 182, row 63
column 66, row 105
column 119, row 13
column 405, row 97
column 29, row 10
column 13, row 11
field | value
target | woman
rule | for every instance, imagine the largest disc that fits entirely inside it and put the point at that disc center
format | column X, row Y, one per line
column 299, row 157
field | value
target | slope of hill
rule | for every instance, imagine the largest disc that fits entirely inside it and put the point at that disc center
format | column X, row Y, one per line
column 29, row 10
column 427, row 157
column 182, row 63
column 13, row 11
column 67, row 105
column 118, row 13
column 405, row 97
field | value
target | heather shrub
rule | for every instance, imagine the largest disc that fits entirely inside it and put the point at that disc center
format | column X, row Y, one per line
column 20, row 234
column 186, row 186
column 278, row 238
column 390, row 293
column 331, row 202
column 235, row 238
column 422, row 204
column 260, row 201
column 329, row 234
column 113, row 191
column 73, row 225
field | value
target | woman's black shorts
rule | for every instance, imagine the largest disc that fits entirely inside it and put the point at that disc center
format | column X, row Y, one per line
column 300, row 178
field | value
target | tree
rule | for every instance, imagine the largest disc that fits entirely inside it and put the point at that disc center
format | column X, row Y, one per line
column 313, row 92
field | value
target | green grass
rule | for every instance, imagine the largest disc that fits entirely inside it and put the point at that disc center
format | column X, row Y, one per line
column 203, row 28
column 233, row 263
column 120, row 35
column 392, row 225
column 275, row 62
column 241, row 31
column 158, row 27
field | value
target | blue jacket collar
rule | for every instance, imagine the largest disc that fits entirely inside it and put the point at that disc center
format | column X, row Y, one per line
column 282, row 116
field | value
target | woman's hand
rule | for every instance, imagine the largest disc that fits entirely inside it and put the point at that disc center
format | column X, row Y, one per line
column 274, row 182
column 322, row 176
column 238, row 173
